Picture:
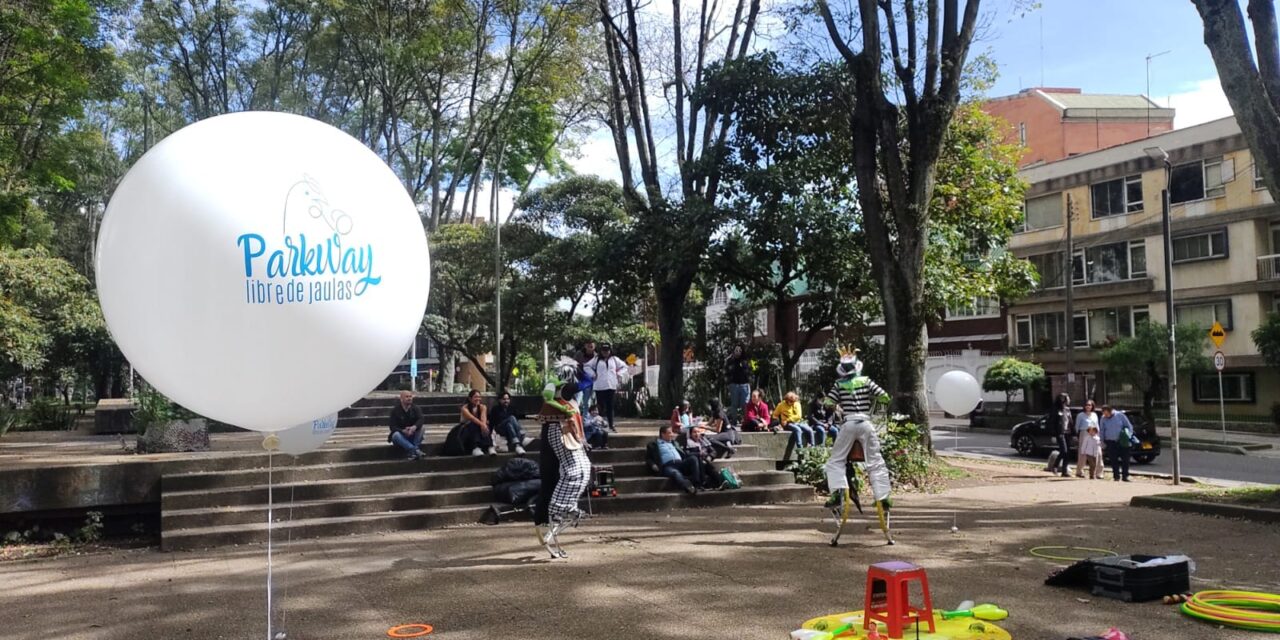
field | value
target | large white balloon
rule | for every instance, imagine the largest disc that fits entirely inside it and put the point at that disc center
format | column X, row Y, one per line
column 957, row 392
column 305, row 437
column 262, row 269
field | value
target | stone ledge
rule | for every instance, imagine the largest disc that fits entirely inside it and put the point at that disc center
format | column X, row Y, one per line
column 1183, row 503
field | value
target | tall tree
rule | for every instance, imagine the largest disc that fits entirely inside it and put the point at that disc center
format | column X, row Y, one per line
column 1143, row 360
column 908, row 87
column 674, row 222
column 1252, row 86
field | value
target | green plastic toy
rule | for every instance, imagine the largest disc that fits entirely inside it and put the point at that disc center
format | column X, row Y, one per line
column 989, row 612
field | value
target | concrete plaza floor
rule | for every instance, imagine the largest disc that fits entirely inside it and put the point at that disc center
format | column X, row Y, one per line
column 741, row 573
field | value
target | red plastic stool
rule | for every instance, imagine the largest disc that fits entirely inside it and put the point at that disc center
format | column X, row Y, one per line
column 888, row 600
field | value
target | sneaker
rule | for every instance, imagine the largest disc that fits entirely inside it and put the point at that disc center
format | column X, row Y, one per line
column 519, row 450
column 492, row 451
column 525, row 441
column 413, row 456
column 477, row 452
column 690, row 489
column 1126, row 480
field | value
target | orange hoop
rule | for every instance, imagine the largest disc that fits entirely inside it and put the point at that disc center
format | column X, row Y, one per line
column 418, row 630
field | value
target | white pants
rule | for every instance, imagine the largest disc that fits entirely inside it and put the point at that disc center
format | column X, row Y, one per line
column 858, row 428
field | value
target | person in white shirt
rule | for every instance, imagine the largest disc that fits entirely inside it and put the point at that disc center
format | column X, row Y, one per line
column 606, row 372
column 1085, row 419
column 1091, row 450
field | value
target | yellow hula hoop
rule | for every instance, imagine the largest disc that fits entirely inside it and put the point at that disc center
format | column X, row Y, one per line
column 1240, row 609
column 1039, row 552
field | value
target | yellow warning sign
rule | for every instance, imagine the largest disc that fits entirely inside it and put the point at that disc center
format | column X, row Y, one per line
column 1217, row 334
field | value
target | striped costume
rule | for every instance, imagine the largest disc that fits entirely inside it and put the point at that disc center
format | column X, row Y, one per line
column 854, row 395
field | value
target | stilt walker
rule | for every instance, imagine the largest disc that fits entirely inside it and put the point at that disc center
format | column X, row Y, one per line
column 853, row 396
column 566, row 474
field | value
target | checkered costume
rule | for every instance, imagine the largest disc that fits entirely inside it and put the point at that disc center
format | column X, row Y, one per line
column 575, row 474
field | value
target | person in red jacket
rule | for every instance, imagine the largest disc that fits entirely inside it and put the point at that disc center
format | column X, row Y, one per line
column 756, row 415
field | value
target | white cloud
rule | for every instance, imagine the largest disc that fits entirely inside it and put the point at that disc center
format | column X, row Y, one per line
column 597, row 156
column 1199, row 102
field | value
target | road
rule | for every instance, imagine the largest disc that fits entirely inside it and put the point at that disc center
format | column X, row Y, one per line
column 1197, row 464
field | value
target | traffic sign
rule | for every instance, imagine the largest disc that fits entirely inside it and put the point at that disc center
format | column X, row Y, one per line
column 1219, row 361
column 1217, row 334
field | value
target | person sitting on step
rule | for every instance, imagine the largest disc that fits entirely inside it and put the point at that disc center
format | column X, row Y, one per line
column 665, row 457
column 476, row 435
column 506, row 424
column 756, row 416
column 406, row 426
column 682, row 417
column 596, row 429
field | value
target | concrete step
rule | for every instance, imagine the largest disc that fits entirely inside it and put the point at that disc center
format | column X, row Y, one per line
column 249, row 487
column 256, row 532
column 173, row 519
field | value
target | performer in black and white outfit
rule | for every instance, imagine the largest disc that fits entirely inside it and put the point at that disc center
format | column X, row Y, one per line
column 566, row 470
column 854, row 394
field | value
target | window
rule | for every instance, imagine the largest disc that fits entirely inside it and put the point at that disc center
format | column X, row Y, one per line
column 1022, row 133
column 1204, row 314
column 1199, row 180
column 1041, row 330
column 1049, row 266
column 1043, row 212
column 1113, row 323
column 1257, row 177
column 1236, row 387
column 1275, row 239
column 1141, row 315
column 1200, row 246
column 1110, row 262
column 720, row 296
column 1117, row 197
column 978, row 308
column 1080, row 329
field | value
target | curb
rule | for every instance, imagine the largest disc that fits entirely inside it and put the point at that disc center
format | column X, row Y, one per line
column 1236, row 448
column 1182, row 504
column 1186, row 479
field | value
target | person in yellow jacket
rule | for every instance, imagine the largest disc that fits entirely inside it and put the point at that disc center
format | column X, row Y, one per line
column 789, row 416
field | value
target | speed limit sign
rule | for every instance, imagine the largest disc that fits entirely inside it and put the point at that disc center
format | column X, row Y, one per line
column 1219, row 360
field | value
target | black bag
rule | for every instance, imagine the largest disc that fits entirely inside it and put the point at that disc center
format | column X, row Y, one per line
column 453, row 442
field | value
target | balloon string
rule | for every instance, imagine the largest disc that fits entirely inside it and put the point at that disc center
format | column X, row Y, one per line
column 270, row 517
column 288, row 533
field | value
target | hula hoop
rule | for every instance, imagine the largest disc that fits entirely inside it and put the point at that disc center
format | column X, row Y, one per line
column 1039, row 552
column 419, row 631
column 1240, row 609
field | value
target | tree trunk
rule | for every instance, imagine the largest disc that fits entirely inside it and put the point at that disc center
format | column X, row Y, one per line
column 448, row 368
column 905, row 351
column 789, row 352
column 671, row 300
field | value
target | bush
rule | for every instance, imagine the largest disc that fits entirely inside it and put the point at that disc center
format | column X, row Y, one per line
column 46, row 414
column 902, row 444
column 1011, row 375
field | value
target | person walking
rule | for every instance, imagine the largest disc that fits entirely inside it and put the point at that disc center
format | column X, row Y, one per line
column 1117, row 438
column 564, row 465
column 1059, row 422
column 606, row 372
column 1085, row 419
column 737, row 371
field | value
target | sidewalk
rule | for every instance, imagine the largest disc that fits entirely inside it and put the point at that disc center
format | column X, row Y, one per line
column 745, row 573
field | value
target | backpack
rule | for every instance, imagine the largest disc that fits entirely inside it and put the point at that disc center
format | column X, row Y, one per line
column 453, row 441
column 729, row 478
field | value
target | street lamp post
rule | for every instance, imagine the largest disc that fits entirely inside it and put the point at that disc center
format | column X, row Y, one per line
column 1160, row 155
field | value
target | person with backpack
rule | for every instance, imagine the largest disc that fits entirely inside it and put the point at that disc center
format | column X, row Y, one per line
column 606, row 372
column 1117, row 438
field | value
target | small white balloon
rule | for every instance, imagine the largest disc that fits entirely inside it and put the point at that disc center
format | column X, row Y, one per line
column 262, row 269
column 307, row 436
column 957, row 392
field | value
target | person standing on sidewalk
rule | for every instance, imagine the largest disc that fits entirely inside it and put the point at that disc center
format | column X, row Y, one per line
column 587, row 355
column 1059, row 423
column 737, row 371
column 1117, row 434
column 1085, row 419
column 606, row 372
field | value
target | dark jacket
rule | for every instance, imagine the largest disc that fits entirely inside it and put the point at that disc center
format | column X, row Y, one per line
column 737, row 371
column 498, row 413
column 401, row 418
column 1053, row 420
column 819, row 413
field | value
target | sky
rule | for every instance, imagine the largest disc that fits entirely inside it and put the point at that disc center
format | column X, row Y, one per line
column 1099, row 46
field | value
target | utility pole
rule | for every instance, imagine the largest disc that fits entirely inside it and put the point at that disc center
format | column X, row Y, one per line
column 1071, row 309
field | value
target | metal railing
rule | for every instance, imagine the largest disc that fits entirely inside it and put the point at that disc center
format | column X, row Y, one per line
column 1269, row 267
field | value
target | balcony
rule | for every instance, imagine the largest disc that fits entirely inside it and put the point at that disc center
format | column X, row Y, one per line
column 1269, row 267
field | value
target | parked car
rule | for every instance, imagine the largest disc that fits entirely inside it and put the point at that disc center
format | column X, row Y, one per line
column 1034, row 438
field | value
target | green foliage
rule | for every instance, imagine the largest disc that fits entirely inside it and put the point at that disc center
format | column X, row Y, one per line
column 91, row 530
column 903, row 446
column 1010, row 375
column 152, row 409
column 823, row 378
column 722, row 336
column 1267, row 339
column 46, row 414
column 8, row 419
column 1143, row 360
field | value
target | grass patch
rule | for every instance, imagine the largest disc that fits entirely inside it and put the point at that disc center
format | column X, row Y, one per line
column 948, row 471
column 1266, row 497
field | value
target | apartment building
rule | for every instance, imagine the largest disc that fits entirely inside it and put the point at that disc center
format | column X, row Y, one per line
column 1226, row 259
column 1052, row 123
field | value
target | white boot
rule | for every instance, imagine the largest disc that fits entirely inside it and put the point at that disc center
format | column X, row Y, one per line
column 477, row 452
column 491, row 451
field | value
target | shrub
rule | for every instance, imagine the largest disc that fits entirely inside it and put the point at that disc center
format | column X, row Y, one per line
column 46, row 414
column 902, row 444
column 1011, row 375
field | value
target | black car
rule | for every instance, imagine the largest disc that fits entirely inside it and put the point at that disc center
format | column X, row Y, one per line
column 1034, row 437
